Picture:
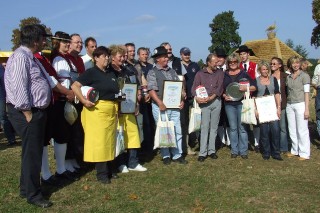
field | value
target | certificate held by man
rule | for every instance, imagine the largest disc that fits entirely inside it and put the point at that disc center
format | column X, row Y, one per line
column 172, row 94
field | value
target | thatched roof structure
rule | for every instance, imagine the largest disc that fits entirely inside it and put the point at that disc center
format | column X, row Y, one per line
column 265, row 49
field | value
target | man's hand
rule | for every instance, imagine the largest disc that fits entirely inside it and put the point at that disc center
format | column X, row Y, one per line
column 181, row 105
column 201, row 100
column 147, row 98
column 70, row 96
column 28, row 115
column 162, row 107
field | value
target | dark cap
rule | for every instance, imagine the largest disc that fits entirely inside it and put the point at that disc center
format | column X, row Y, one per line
column 159, row 51
column 185, row 50
column 244, row 48
column 220, row 52
column 59, row 35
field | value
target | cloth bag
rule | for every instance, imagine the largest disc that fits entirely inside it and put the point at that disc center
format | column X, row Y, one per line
column 119, row 141
column 165, row 136
column 195, row 117
column 70, row 113
column 248, row 115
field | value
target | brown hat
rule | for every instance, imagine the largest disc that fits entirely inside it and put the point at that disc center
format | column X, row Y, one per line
column 59, row 35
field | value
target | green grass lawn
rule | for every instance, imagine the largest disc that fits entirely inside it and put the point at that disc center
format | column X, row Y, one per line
column 222, row 185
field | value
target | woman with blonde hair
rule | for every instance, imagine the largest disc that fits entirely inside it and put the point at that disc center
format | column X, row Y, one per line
column 238, row 131
column 268, row 85
column 128, row 121
column 298, row 86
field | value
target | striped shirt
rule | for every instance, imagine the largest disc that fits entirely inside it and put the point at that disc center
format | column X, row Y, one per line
column 26, row 84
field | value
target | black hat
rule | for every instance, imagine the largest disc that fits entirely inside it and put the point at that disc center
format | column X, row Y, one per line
column 244, row 48
column 220, row 52
column 159, row 51
column 59, row 35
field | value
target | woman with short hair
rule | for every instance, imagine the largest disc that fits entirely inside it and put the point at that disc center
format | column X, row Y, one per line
column 99, row 120
column 238, row 131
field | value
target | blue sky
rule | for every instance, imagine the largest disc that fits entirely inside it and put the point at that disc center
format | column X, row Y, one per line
column 148, row 22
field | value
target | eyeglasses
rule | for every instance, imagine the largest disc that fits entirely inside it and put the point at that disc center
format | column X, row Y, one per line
column 170, row 49
column 233, row 62
column 77, row 42
column 186, row 54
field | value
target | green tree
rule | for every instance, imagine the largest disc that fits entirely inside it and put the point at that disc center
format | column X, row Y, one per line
column 315, row 38
column 16, row 32
column 201, row 63
column 224, row 32
column 298, row 48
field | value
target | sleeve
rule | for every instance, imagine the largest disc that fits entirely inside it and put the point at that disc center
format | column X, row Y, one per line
column 85, row 78
column 306, row 79
column 21, row 82
column 316, row 75
column 63, row 71
column 152, row 81
column 276, row 86
column 196, row 83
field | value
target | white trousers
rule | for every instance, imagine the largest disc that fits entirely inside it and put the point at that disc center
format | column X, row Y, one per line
column 298, row 130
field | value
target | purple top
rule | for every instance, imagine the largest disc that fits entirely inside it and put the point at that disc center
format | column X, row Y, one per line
column 213, row 82
column 26, row 84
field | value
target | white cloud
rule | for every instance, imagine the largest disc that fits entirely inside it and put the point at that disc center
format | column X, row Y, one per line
column 143, row 19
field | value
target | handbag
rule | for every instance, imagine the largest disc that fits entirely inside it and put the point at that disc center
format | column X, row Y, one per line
column 195, row 117
column 119, row 141
column 70, row 113
column 165, row 136
column 248, row 115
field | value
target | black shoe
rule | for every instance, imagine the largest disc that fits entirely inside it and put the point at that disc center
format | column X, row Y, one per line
column 67, row 175
column 213, row 156
column 114, row 176
column 277, row 158
column 53, row 181
column 166, row 161
column 244, row 156
column 13, row 143
column 266, row 157
column 257, row 149
column 105, row 181
column 201, row 158
column 234, row 156
column 41, row 203
column 180, row 160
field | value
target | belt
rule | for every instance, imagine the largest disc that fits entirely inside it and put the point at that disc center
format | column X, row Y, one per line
column 33, row 109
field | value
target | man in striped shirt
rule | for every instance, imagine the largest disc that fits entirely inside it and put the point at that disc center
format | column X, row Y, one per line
column 28, row 89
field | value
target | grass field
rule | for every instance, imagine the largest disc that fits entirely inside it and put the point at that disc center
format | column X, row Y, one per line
column 222, row 185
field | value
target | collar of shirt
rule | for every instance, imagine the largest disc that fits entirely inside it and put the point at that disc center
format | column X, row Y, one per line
column 291, row 75
column 28, row 51
column 164, row 69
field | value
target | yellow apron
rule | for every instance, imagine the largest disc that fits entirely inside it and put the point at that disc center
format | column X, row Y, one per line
column 99, row 124
column 130, row 130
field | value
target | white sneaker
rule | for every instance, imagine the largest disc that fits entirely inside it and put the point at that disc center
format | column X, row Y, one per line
column 138, row 168
column 123, row 169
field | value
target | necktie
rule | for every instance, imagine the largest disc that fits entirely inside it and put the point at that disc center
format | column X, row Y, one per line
column 245, row 67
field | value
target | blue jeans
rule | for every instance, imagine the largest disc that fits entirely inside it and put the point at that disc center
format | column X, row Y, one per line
column 7, row 127
column 283, row 131
column 238, row 131
column 173, row 115
column 271, row 146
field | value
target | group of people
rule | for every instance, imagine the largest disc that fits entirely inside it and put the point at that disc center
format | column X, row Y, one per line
column 38, row 89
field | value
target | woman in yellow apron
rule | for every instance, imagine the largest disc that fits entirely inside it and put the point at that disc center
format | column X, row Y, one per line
column 99, row 117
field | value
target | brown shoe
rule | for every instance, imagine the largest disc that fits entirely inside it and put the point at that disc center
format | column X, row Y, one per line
column 302, row 159
column 290, row 155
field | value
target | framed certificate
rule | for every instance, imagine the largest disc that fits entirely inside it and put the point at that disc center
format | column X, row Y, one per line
column 172, row 94
column 128, row 106
column 267, row 109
